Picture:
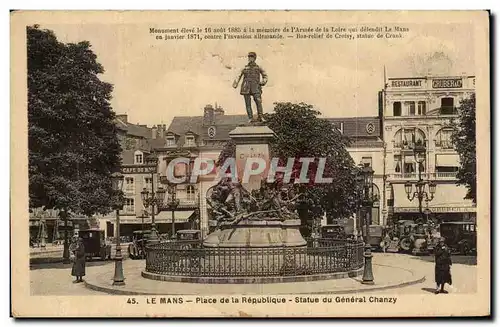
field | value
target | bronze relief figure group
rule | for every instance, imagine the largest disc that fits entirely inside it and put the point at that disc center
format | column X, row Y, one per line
column 231, row 203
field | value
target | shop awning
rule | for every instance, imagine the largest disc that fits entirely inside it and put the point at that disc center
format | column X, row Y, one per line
column 447, row 160
column 181, row 216
column 433, row 210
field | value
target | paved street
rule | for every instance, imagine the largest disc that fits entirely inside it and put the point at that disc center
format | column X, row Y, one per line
column 463, row 271
column 56, row 279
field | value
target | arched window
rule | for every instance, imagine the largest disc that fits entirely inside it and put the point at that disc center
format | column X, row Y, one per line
column 443, row 138
column 190, row 193
column 406, row 138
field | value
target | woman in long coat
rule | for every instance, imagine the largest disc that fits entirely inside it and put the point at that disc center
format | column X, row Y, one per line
column 442, row 269
column 78, row 269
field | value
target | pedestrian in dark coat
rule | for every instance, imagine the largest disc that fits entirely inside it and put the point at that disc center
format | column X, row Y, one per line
column 78, row 269
column 443, row 262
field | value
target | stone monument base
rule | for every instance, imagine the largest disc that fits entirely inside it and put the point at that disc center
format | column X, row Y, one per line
column 257, row 233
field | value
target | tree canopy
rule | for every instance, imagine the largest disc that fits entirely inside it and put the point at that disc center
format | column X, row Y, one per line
column 464, row 140
column 300, row 132
column 72, row 140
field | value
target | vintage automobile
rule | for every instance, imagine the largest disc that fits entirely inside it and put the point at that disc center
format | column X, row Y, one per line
column 136, row 249
column 189, row 235
column 420, row 239
column 377, row 234
column 95, row 244
column 460, row 236
column 406, row 241
column 333, row 231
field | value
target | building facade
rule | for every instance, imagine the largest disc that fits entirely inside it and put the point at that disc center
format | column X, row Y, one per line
column 367, row 149
column 411, row 110
column 420, row 109
column 138, row 143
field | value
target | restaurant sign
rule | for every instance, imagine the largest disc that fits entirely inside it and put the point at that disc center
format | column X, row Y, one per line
column 449, row 83
column 406, row 83
column 139, row 169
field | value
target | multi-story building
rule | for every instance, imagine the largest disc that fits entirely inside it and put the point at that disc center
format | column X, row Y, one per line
column 137, row 142
column 411, row 110
column 420, row 109
column 367, row 148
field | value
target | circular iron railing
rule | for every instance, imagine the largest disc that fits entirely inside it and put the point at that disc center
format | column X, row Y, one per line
column 190, row 258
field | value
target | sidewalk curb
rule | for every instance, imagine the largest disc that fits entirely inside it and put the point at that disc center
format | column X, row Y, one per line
column 113, row 290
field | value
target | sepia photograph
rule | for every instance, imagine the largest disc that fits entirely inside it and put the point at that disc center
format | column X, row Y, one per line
column 250, row 163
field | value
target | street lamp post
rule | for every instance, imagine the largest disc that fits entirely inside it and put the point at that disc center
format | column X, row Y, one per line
column 153, row 199
column 172, row 205
column 117, row 181
column 420, row 192
column 367, row 173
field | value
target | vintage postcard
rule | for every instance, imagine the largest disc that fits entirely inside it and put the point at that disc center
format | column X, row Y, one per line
column 250, row 163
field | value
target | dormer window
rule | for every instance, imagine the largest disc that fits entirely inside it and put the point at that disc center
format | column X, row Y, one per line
column 190, row 140
column 138, row 158
column 170, row 140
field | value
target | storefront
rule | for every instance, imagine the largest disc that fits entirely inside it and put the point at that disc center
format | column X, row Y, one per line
column 440, row 214
column 52, row 229
column 184, row 219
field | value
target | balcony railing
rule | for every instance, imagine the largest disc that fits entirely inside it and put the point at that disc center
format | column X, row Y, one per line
column 448, row 110
column 444, row 175
column 444, row 144
column 432, row 176
column 404, row 145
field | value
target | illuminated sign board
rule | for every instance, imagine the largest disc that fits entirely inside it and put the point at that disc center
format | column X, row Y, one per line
column 450, row 83
column 406, row 83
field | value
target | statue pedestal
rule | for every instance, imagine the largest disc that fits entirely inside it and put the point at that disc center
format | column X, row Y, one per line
column 251, row 142
column 256, row 234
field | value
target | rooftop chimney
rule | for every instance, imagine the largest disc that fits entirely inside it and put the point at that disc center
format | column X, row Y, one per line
column 161, row 131
column 218, row 110
column 208, row 115
column 154, row 132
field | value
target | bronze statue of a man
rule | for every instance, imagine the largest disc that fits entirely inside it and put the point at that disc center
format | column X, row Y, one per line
column 252, row 85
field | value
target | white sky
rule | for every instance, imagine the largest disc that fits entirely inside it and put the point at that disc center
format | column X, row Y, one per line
column 156, row 80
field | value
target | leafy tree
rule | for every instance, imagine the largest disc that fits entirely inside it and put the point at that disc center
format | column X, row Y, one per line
column 464, row 140
column 73, row 146
column 300, row 132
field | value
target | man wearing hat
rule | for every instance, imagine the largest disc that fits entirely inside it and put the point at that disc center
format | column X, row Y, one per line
column 252, row 85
